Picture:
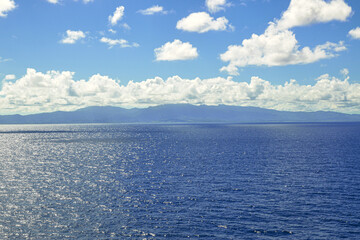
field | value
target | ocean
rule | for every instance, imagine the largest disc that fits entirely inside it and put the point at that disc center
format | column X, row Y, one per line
column 180, row 181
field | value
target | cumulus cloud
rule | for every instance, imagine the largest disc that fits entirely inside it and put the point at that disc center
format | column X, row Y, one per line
column 355, row 33
column 202, row 22
column 215, row 5
column 54, row 90
column 305, row 12
column 275, row 48
column 118, row 14
column 152, row 10
column 176, row 50
column 6, row 6
column 121, row 42
column 278, row 46
column 72, row 37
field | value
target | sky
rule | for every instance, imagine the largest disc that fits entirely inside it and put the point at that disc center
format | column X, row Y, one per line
column 291, row 55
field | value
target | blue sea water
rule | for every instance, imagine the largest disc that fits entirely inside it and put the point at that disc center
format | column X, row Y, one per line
column 208, row 181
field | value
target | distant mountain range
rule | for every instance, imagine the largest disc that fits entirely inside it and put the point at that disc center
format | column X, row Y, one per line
column 183, row 113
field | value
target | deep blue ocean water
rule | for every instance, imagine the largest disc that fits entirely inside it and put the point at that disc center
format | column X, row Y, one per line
column 209, row 181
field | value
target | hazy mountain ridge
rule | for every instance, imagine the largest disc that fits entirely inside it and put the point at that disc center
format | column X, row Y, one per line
column 177, row 113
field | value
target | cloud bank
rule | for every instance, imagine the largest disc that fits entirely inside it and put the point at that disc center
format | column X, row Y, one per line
column 54, row 90
column 278, row 46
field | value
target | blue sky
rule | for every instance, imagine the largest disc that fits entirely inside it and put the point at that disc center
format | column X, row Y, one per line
column 148, row 44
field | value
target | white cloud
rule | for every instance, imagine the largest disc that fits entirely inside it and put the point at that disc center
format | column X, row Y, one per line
column 6, row 6
column 274, row 48
column 152, row 10
column 125, row 26
column 202, row 22
column 72, row 36
column 121, row 42
column 118, row 14
column 53, row 1
column 58, row 1
column 112, row 31
column 176, row 50
column 215, row 5
column 9, row 77
column 4, row 59
column 305, row 12
column 84, row 1
column 278, row 46
column 53, row 90
column 355, row 33
column 344, row 71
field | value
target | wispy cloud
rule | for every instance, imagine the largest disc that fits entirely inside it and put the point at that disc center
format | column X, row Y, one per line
column 344, row 72
column 112, row 30
column 4, row 59
column 125, row 26
column 120, row 42
column 153, row 10
column 58, row 1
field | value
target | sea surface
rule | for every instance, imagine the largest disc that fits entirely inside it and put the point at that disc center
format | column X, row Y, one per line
column 173, row 181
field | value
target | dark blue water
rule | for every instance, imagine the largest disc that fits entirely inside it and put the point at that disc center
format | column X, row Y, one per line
column 280, row 181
